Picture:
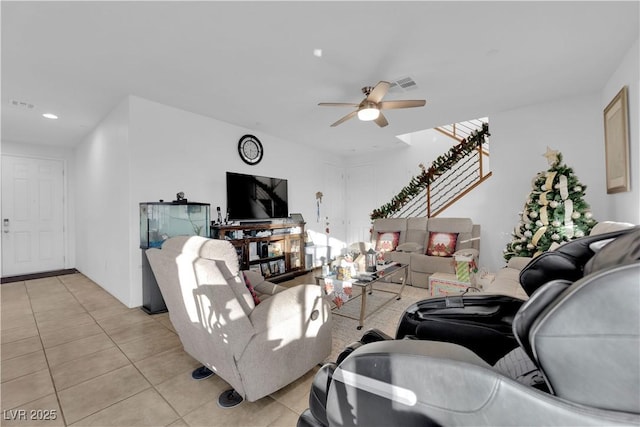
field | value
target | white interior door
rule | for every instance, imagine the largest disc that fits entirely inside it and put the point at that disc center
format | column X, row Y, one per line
column 32, row 215
column 361, row 193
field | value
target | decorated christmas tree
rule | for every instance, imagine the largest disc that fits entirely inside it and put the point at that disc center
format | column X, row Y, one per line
column 554, row 213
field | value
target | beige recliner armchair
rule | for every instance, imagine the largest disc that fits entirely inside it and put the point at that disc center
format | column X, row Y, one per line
column 257, row 349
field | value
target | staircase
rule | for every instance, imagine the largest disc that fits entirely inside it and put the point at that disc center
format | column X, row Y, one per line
column 450, row 177
column 462, row 130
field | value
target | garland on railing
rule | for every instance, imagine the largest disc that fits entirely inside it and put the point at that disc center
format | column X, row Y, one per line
column 427, row 176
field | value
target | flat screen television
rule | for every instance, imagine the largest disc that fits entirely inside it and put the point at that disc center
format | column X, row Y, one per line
column 251, row 197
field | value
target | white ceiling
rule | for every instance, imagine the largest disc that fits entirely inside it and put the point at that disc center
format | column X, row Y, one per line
column 251, row 63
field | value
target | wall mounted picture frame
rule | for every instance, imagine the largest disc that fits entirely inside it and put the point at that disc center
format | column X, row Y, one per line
column 616, row 141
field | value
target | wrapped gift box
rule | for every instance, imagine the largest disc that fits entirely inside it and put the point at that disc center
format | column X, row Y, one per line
column 446, row 284
column 465, row 265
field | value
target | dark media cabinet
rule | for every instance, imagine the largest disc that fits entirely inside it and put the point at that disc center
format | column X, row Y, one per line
column 275, row 250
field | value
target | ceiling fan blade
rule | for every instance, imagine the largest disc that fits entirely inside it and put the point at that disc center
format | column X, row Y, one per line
column 345, row 118
column 337, row 104
column 381, row 121
column 378, row 92
column 391, row 105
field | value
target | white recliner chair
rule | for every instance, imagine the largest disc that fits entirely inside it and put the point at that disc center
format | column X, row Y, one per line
column 257, row 349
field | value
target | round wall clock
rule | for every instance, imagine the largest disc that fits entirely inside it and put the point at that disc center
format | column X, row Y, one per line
column 250, row 149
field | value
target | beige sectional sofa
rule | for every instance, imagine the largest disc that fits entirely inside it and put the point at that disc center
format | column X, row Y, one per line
column 507, row 279
column 412, row 237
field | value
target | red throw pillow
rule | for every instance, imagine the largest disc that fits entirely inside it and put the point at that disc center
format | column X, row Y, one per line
column 387, row 241
column 256, row 299
column 441, row 244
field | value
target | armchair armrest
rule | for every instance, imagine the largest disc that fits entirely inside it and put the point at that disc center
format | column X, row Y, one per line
column 261, row 285
column 296, row 302
column 254, row 277
column 293, row 326
column 421, row 348
column 519, row 262
column 268, row 288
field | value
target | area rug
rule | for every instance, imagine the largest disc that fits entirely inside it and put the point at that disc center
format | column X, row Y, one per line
column 345, row 330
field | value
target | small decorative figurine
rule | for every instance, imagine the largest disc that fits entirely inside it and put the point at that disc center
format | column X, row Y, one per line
column 180, row 198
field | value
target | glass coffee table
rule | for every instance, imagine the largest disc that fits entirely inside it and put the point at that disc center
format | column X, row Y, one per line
column 341, row 291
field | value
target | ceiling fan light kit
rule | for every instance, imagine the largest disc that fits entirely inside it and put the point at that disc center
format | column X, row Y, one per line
column 369, row 112
column 369, row 108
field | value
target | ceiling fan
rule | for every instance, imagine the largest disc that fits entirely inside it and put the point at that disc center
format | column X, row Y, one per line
column 370, row 107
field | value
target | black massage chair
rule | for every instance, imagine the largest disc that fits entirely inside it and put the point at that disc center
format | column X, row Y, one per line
column 570, row 355
column 482, row 322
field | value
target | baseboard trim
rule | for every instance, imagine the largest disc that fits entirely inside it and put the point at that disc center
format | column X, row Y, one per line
column 20, row 278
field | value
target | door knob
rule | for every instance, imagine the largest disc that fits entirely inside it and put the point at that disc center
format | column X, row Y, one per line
column 5, row 224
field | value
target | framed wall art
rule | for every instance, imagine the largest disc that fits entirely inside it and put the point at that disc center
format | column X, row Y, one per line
column 616, row 141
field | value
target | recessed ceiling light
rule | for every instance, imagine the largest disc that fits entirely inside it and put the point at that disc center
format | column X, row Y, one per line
column 50, row 116
column 317, row 53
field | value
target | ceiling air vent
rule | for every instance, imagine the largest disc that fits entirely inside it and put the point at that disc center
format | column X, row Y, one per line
column 21, row 104
column 402, row 85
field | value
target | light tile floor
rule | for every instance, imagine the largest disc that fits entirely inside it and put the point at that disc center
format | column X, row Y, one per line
column 73, row 355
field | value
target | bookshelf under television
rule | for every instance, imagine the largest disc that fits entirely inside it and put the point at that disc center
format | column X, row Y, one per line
column 274, row 249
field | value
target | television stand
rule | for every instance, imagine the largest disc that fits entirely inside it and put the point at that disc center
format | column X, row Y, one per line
column 266, row 221
column 275, row 250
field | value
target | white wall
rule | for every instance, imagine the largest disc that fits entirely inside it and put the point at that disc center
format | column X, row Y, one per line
column 67, row 155
column 103, row 193
column 572, row 126
column 626, row 206
column 145, row 151
column 519, row 138
column 374, row 178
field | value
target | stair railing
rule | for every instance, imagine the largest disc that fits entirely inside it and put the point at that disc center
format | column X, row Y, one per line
column 461, row 130
column 450, row 177
column 457, row 182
